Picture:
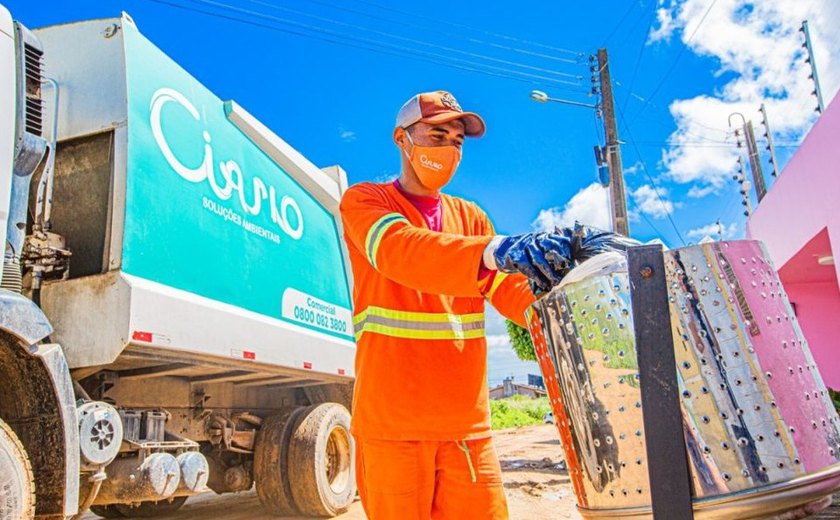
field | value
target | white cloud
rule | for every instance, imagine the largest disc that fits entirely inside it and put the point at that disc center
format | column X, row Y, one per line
column 698, row 192
column 498, row 343
column 647, row 201
column 502, row 361
column 494, row 323
column 760, row 44
column 633, row 169
column 588, row 206
column 498, row 339
column 386, row 177
column 346, row 135
column 713, row 230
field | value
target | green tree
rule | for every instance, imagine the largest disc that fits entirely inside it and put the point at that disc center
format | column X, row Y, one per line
column 521, row 341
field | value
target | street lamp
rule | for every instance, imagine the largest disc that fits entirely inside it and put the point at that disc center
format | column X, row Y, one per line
column 542, row 97
column 539, row 95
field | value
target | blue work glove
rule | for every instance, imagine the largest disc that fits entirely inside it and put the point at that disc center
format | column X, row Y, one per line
column 545, row 258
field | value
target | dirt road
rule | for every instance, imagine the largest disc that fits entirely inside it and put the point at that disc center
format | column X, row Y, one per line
column 536, row 484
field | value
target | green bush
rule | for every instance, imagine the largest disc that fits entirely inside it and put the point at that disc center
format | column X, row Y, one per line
column 835, row 398
column 517, row 411
column 521, row 340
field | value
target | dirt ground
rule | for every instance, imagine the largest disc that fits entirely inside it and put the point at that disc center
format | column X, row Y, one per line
column 536, row 484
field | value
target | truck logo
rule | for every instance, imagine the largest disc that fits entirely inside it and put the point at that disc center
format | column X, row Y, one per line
column 230, row 170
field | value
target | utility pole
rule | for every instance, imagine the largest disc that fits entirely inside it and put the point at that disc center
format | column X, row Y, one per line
column 755, row 161
column 768, row 134
column 752, row 154
column 741, row 179
column 618, row 201
column 810, row 61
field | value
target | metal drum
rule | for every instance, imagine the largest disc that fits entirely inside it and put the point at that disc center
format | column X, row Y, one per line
column 761, row 435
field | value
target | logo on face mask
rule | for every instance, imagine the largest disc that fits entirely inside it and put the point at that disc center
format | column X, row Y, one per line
column 428, row 163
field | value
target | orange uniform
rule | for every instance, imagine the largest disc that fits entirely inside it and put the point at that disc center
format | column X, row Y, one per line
column 421, row 363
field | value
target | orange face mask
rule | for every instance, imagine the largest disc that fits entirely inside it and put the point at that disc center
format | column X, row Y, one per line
column 434, row 165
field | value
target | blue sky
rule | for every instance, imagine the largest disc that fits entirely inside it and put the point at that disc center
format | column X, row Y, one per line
column 680, row 67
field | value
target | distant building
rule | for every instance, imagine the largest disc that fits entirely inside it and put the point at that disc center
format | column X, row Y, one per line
column 535, row 380
column 509, row 388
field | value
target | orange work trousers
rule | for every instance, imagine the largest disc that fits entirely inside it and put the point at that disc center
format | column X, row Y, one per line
column 422, row 480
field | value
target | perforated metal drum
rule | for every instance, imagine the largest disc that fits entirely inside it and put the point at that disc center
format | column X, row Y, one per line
column 761, row 434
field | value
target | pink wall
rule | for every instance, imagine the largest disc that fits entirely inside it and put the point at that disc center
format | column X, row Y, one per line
column 802, row 207
column 806, row 196
column 818, row 313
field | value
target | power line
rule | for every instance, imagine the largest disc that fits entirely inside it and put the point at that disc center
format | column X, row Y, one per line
column 631, row 30
column 402, row 38
column 619, row 24
column 650, row 178
column 687, row 144
column 645, row 217
column 673, row 127
column 639, row 56
column 679, row 55
column 733, row 197
column 599, row 141
column 441, row 20
column 316, row 28
column 373, row 46
column 648, row 103
column 444, row 33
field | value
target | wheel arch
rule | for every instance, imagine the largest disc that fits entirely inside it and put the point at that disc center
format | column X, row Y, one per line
column 37, row 401
column 20, row 317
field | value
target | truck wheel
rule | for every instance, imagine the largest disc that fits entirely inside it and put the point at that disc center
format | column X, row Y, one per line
column 107, row 511
column 321, row 468
column 17, row 488
column 271, row 460
column 150, row 509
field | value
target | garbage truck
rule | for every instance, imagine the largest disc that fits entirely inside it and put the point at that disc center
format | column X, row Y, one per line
column 175, row 308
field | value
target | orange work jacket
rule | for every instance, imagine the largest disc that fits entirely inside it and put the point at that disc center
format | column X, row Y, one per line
column 421, row 360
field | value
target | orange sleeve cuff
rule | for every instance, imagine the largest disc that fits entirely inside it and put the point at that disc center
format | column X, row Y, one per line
column 510, row 294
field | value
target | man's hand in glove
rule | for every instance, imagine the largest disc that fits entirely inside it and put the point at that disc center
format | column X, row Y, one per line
column 545, row 258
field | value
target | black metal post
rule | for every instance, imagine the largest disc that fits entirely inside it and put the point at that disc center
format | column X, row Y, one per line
column 670, row 480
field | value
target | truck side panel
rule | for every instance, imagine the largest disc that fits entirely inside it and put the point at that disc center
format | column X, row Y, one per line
column 208, row 212
column 215, row 244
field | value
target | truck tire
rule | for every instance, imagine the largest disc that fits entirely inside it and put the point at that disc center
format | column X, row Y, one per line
column 106, row 511
column 17, row 487
column 321, row 461
column 271, row 454
column 150, row 509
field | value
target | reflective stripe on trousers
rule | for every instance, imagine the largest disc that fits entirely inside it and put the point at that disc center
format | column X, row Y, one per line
column 418, row 325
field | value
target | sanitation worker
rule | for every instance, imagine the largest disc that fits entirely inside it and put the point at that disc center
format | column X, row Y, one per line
column 423, row 265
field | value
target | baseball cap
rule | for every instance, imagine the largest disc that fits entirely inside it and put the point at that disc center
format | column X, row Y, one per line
column 438, row 107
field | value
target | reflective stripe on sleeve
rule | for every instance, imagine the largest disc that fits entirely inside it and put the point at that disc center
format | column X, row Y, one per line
column 497, row 281
column 377, row 231
column 419, row 325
